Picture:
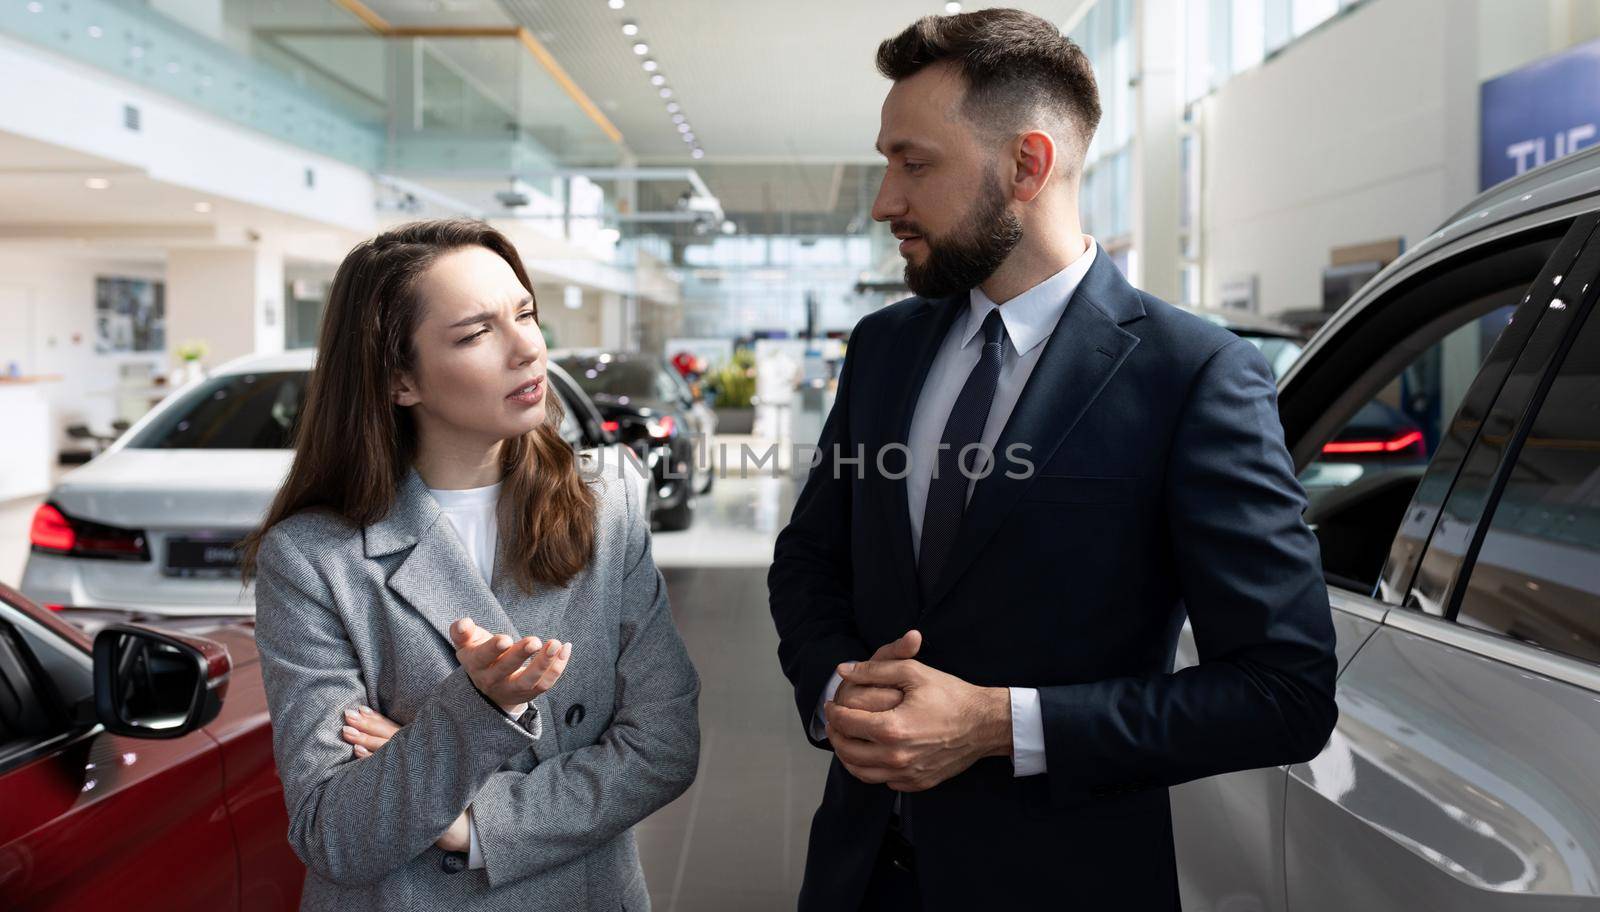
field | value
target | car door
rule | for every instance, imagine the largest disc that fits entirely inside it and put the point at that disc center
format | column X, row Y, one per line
column 94, row 820
column 1462, row 773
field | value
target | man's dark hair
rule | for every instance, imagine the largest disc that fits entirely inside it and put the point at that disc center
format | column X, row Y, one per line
column 1013, row 62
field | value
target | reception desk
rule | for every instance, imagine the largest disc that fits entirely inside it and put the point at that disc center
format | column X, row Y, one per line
column 28, row 452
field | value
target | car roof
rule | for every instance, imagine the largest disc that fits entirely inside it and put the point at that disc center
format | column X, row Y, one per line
column 560, row 353
column 1573, row 177
column 298, row 359
column 1245, row 323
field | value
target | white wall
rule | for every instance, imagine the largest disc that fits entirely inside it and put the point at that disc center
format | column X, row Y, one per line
column 1366, row 129
column 60, row 288
column 232, row 300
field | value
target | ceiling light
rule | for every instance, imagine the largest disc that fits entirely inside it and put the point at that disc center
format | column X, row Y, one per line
column 95, row 31
column 630, row 28
column 684, row 128
column 97, row 183
column 678, row 118
column 617, row 4
column 673, row 108
column 650, row 65
column 666, row 92
column 641, row 48
column 202, row 207
column 688, row 137
column 952, row 7
column 658, row 80
column 697, row 153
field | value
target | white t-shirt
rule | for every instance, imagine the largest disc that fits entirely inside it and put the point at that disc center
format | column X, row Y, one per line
column 472, row 513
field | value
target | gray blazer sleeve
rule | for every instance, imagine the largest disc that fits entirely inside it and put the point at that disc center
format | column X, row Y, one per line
column 357, row 821
column 578, row 801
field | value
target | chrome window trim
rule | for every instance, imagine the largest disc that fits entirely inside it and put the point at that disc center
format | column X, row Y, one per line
column 1529, row 658
column 1364, row 607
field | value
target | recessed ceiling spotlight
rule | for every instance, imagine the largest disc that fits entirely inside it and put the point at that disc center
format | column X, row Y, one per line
column 678, row 118
column 630, row 28
column 672, row 107
column 666, row 92
column 658, row 80
column 697, row 153
column 952, row 7
column 684, row 128
column 616, row 4
column 650, row 65
column 202, row 207
column 688, row 137
column 641, row 48
column 97, row 183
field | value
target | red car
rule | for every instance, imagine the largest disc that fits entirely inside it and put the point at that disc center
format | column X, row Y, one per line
column 136, row 770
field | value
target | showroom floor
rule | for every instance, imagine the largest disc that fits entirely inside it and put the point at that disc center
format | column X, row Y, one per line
column 736, row 840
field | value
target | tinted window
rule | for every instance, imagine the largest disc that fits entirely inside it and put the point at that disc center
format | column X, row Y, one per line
column 1537, row 576
column 232, row 412
column 1279, row 352
column 618, row 377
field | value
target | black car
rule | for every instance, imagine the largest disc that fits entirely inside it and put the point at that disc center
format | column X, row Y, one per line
column 648, row 407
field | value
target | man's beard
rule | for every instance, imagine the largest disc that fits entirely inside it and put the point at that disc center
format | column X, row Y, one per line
column 969, row 255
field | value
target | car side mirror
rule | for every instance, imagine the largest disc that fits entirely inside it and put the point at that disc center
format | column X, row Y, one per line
column 151, row 683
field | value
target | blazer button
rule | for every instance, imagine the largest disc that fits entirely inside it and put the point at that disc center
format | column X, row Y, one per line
column 575, row 715
column 454, row 862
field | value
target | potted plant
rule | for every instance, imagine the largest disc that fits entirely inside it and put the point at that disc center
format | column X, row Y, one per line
column 190, row 353
column 729, row 389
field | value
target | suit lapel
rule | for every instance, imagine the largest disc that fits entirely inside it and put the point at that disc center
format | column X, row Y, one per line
column 1080, row 357
column 924, row 330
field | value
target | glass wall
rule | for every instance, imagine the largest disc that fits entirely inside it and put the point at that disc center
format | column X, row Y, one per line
column 1227, row 37
column 1106, row 35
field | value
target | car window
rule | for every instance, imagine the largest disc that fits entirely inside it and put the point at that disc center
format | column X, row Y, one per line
column 1537, row 574
column 30, row 708
column 1400, row 427
column 230, row 412
column 571, row 431
column 614, row 377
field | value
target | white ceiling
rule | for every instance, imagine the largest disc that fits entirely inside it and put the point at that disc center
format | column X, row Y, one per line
column 766, row 81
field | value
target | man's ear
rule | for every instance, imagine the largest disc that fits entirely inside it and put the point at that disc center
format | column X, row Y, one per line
column 404, row 391
column 1036, row 162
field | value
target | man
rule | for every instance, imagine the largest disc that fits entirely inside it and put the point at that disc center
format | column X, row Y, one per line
column 1009, row 740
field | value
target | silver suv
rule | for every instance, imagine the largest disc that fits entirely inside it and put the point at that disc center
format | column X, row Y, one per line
column 1464, row 573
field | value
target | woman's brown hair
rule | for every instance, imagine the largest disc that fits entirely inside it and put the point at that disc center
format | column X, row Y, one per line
column 354, row 445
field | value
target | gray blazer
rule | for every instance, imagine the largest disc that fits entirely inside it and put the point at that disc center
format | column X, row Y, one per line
column 347, row 615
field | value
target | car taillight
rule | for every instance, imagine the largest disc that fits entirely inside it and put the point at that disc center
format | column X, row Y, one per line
column 610, row 426
column 1408, row 440
column 54, row 532
column 663, row 427
column 51, row 531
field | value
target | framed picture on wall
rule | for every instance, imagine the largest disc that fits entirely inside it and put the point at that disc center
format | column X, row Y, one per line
column 130, row 315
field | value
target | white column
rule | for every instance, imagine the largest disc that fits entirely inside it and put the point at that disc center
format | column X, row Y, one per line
column 230, row 299
column 1159, row 104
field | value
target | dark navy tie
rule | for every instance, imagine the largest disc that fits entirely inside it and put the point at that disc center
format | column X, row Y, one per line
column 947, row 489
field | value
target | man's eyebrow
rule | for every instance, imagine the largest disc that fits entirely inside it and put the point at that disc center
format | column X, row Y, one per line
column 485, row 316
column 900, row 147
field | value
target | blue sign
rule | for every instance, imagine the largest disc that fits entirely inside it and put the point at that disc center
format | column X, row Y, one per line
column 1542, row 112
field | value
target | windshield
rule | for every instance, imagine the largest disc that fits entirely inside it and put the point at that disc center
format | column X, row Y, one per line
column 230, row 412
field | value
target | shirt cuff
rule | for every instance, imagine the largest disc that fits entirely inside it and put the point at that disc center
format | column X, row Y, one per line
column 1027, row 732
column 819, row 723
column 474, row 854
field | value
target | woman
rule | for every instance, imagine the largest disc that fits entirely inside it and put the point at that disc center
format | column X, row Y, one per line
column 436, row 558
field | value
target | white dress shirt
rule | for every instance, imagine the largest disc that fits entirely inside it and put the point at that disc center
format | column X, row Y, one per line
column 472, row 512
column 1029, row 319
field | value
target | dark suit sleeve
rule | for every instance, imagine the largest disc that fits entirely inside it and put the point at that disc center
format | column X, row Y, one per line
column 809, row 583
column 1249, row 572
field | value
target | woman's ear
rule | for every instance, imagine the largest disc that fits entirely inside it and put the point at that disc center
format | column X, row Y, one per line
column 404, row 391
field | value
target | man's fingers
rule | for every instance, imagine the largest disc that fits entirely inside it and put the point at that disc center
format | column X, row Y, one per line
column 855, row 723
column 904, row 648
column 871, row 699
column 892, row 673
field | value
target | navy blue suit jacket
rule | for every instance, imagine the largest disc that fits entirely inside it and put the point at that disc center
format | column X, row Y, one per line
column 1161, row 486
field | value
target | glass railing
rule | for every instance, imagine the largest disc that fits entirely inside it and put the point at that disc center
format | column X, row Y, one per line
column 409, row 99
column 146, row 48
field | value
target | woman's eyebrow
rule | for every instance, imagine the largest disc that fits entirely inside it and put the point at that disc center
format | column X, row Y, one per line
column 484, row 316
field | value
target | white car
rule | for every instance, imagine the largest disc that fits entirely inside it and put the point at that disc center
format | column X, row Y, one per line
column 150, row 526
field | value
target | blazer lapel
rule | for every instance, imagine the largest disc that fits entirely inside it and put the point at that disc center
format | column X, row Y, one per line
column 437, row 578
column 924, row 332
column 1083, row 352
